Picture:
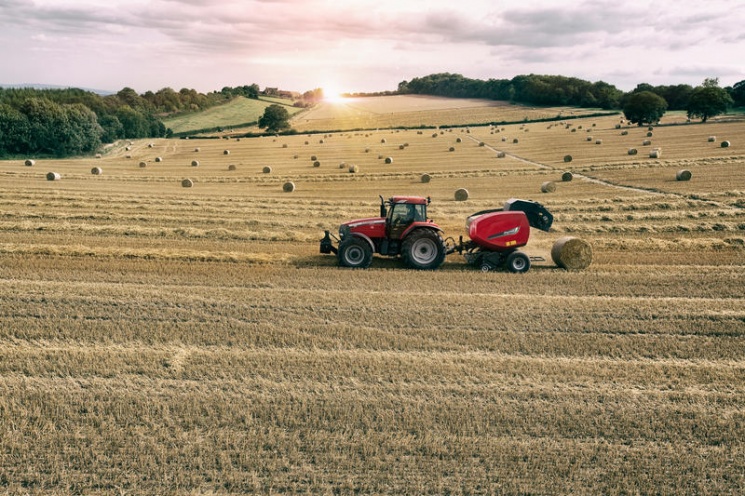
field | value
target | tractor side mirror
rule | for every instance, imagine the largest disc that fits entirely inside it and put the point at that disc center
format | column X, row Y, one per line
column 383, row 211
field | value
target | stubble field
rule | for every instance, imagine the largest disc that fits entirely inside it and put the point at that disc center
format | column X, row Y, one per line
column 162, row 339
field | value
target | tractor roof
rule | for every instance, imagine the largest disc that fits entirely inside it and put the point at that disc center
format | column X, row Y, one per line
column 414, row 200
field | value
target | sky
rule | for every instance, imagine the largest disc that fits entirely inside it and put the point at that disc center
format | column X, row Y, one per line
column 365, row 45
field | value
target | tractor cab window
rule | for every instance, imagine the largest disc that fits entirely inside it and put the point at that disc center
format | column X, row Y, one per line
column 405, row 214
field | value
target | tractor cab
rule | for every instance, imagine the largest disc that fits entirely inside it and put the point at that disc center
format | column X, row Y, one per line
column 403, row 211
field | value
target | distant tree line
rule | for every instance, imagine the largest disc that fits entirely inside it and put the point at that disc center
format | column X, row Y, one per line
column 547, row 90
column 65, row 122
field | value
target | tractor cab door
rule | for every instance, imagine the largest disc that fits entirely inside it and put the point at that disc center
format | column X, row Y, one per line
column 400, row 217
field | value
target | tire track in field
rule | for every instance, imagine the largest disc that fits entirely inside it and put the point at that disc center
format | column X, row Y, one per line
column 582, row 176
column 610, row 184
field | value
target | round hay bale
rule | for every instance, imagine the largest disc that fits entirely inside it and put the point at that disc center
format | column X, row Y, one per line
column 267, row 170
column 143, row 165
column 284, row 145
column 458, row 140
column 226, row 152
column 683, row 175
column 187, row 183
column 712, row 139
column 231, row 167
column 548, row 187
column 426, row 178
column 567, row 176
column 343, row 165
column 389, row 160
column 461, row 194
column 196, row 150
column 316, row 164
column 646, row 143
column 451, row 149
column 313, row 158
column 633, row 151
column 656, row 153
column 353, row 169
column 288, row 187
column 598, row 142
column 127, row 148
column 382, row 140
column 53, row 176
column 401, row 147
column 481, row 143
column 624, row 133
column 29, row 163
column 96, row 171
column 571, row 253
column 589, row 138
column 149, row 145
column 515, row 140
column 158, row 159
column 650, row 134
column 501, row 155
column 725, row 144
column 567, row 158
column 128, row 156
column 195, row 163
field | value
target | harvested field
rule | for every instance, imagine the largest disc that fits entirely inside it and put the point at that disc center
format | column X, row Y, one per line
column 161, row 339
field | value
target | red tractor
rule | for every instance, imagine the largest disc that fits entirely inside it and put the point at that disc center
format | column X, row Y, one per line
column 403, row 229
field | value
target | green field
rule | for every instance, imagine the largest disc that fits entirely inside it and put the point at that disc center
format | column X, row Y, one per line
column 236, row 113
column 161, row 339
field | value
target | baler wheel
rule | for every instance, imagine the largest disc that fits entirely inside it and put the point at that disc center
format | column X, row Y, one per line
column 518, row 262
column 423, row 249
column 355, row 253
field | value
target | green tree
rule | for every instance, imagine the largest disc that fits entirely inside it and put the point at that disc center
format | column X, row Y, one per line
column 275, row 118
column 644, row 107
column 738, row 93
column 708, row 100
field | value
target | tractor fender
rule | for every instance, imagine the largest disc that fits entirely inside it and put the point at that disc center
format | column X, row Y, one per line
column 366, row 238
column 420, row 225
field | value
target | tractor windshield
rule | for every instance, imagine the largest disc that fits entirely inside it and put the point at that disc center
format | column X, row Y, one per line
column 406, row 213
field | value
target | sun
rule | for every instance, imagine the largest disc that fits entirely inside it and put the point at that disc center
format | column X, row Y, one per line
column 332, row 93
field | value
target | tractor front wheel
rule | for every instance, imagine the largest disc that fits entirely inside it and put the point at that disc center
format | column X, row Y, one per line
column 423, row 249
column 355, row 253
column 518, row 262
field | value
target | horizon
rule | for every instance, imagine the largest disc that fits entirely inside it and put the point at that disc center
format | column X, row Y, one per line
column 365, row 46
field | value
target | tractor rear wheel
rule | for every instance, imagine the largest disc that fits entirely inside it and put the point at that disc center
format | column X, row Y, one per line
column 355, row 253
column 423, row 249
column 517, row 262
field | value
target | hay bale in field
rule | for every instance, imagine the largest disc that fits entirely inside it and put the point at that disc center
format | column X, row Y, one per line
column 646, row 143
column 143, row 165
column 501, row 155
column 461, row 194
column 187, row 183
column 451, row 149
column 128, row 156
column 481, row 143
column 382, row 140
column 96, row 171
column 353, row 169
column 196, row 150
column 434, row 135
column 426, row 178
column 633, row 151
column 712, row 139
column 195, row 163
column 571, row 253
column 316, row 164
column 401, row 147
column 567, row 158
column 656, row 153
column 567, row 176
column 29, row 162
column 458, row 140
column 624, row 133
column 266, row 170
column 149, row 145
column 158, row 159
column 231, row 167
column 515, row 140
column 342, row 165
column 548, row 187
column 589, row 138
column 226, row 152
column 53, row 176
column 683, row 175
column 598, row 142
column 725, row 144
column 288, row 187
column 313, row 158
column 389, row 160
column 127, row 148
column 650, row 134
